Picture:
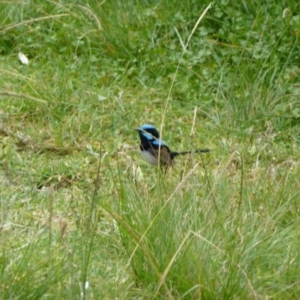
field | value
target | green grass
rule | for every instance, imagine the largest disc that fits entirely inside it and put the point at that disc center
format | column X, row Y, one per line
column 83, row 217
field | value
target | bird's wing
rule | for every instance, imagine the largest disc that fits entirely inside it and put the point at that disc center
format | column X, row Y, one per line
column 161, row 150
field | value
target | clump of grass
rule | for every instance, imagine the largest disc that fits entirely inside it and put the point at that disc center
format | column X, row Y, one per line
column 179, row 245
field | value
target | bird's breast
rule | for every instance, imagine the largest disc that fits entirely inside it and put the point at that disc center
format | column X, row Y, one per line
column 149, row 157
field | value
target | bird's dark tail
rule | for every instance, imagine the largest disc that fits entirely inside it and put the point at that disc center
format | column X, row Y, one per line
column 174, row 154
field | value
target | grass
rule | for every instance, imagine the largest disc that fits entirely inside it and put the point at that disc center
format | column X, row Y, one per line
column 83, row 217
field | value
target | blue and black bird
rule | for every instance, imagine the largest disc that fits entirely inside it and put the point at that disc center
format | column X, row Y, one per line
column 155, row 151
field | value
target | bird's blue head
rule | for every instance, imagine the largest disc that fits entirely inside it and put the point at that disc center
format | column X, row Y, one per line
column 148, row 132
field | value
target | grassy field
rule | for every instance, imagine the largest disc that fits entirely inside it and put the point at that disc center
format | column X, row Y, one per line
column 83, row 216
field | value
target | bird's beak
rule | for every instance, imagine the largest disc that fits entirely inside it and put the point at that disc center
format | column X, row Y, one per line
column 137, row 129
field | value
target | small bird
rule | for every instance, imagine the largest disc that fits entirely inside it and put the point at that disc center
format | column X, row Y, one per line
column 155, row 151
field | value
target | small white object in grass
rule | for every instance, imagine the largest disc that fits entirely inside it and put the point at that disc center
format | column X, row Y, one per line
column 101, row 98
column 23, row 58
column 86, row 286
